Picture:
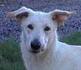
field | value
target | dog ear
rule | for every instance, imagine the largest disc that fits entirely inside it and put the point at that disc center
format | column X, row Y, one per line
column 59, row 16
column 19, row 14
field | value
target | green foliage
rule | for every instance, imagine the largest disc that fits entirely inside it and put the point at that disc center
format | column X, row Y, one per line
column 10, row 56
column 74, row 39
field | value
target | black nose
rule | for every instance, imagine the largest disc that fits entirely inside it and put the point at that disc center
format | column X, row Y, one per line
column 35, row 45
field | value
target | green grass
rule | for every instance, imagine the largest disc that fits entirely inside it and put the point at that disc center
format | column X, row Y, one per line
column 10, row 56
column 74, row 39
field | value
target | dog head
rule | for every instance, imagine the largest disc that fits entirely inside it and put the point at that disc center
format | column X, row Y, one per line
column 39, row 28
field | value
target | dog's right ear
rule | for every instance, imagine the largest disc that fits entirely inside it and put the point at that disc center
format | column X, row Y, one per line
column 60, row 16
column 21, row 13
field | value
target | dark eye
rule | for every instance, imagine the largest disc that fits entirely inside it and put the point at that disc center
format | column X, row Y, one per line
column 46, row 28
column 30, row 26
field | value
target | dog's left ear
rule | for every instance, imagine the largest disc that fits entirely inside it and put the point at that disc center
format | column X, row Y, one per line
column 59, row 16
column 20, row 14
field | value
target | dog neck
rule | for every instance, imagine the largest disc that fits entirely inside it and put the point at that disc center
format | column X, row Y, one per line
column 40, row 62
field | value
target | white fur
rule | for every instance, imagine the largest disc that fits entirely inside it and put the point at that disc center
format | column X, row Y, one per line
column 56, row 55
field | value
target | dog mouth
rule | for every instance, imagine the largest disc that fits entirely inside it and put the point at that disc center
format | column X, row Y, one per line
column 35, row 51
column 39, row 51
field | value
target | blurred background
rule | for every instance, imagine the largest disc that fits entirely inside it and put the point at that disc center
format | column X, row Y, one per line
column 10, row 30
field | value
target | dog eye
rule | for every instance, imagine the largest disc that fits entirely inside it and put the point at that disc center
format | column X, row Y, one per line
column 46, row 28
column 30, row 26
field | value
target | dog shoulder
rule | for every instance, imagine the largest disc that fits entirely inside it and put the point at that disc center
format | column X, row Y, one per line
column 68, row 56
column 70, row 53
column 67, row 47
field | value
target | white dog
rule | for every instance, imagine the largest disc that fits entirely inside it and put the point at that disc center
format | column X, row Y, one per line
column 40, row 47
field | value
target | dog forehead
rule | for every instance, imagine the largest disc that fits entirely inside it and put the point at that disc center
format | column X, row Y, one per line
column 40, row 13
column 40, row 17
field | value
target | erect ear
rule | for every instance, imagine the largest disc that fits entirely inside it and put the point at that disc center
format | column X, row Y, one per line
column 21, row 13
column 59, row 16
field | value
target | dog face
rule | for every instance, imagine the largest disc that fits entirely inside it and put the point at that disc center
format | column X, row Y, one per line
column 39, row 28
